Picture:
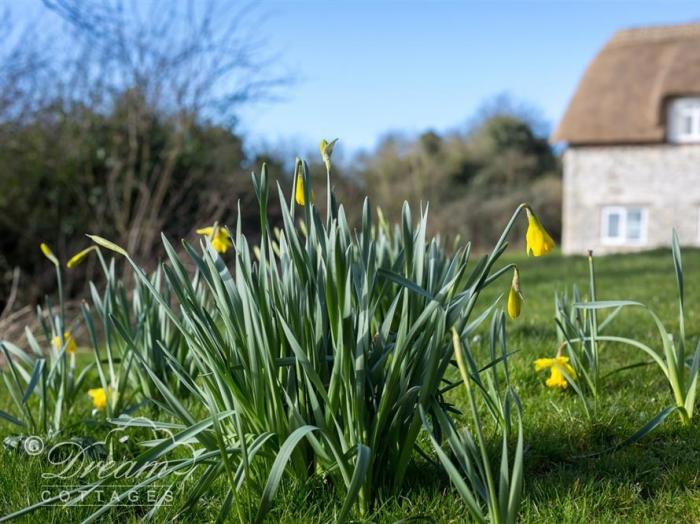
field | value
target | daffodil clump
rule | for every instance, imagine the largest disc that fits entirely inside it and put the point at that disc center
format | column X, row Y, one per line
column 676, row 357
column 46, row 369
column 322, row 350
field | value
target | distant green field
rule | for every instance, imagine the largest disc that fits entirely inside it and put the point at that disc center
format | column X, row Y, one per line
column 656, row 480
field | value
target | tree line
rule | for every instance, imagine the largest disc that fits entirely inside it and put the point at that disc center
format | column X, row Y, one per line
column 123, row 125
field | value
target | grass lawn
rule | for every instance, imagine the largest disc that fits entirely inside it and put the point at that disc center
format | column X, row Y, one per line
column 655, row 480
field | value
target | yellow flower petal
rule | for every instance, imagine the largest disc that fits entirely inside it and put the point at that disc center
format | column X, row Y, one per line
column 220, row 239
column 68, row 339
column 537, row 239
column 558, row 365
column 556, row 379
column 543, row 363
column 99, row 397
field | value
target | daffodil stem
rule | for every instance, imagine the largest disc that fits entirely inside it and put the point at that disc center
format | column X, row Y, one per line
column 594, row 325
column 507, row 229
column 504, row 269
column 62, row 317
column 329, row 199
column 484, row 280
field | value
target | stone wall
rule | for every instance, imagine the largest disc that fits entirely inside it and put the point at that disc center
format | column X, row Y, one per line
column 664, row 179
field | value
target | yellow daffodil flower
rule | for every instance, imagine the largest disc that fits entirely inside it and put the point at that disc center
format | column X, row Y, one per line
column 538, row 240
column 78, row 258
column 558, row 366
column 99, row 397
column 299, row 192
column 326, row 152
column 71, row 346
column 220, row 239
column 46, row 250
column 515, row 296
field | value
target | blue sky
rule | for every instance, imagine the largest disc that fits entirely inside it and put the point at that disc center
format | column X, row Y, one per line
column 366, row 68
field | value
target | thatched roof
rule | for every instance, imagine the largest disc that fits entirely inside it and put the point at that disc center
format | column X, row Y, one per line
column 623, row 93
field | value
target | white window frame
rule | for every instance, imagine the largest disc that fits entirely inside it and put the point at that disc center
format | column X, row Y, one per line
column 680, row 109
column 623, row 239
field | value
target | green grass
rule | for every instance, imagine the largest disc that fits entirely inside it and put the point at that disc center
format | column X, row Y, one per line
column 655, row 480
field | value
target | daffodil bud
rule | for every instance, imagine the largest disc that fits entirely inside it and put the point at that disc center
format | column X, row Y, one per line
column 46, row 250
column 299, row 195
column 326, row 152
column 78, row 258
column 515, row 296
column 108, row 245
column 537, row 239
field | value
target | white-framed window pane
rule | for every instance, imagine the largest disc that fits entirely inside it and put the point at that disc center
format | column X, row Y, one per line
column 624, row 225
column 634, row 224
column 683, row 120
column 613, row 225
column 687, row 128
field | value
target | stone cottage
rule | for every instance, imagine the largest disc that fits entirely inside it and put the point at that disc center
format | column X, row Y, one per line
column 632, row 134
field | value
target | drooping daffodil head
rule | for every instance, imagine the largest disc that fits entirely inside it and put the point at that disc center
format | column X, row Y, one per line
column 220, row 238
column 46, row 250
column 99, row 397
column 299, row 195
column 537, row 239
column 69, row 342
column 326, row 148
column 78, row 258
column 515, row 296
column 559, row 367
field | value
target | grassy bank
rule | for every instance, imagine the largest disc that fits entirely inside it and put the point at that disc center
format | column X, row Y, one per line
column 655, row 480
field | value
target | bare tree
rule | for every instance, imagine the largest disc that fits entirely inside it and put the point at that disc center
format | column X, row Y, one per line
column 188, row 60
column 103, row 112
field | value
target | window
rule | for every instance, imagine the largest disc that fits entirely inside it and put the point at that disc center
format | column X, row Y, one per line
column 684, row 120
column 624, row 225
